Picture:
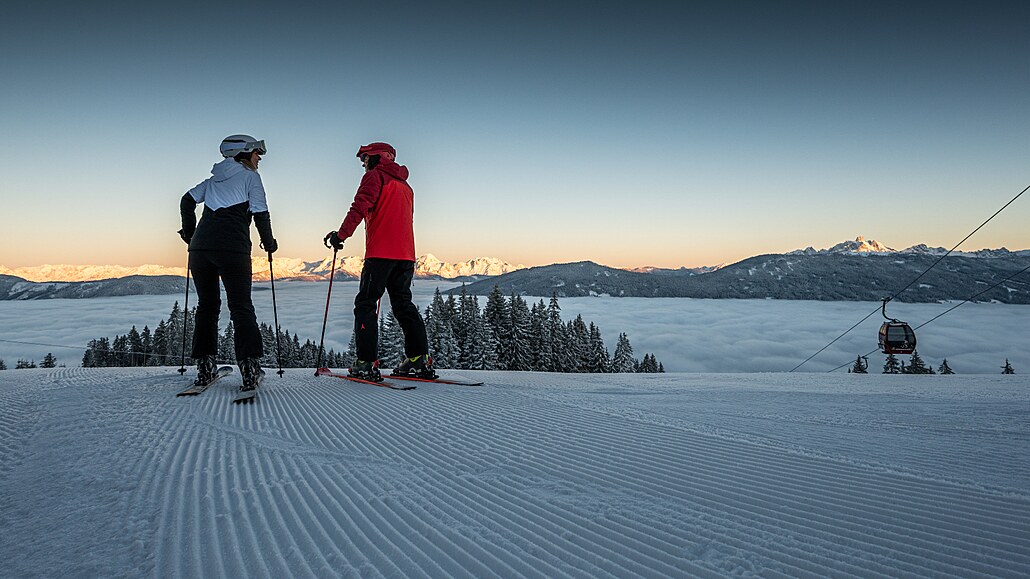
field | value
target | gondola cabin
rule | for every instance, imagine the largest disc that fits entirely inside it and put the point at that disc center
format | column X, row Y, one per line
column 897, row 338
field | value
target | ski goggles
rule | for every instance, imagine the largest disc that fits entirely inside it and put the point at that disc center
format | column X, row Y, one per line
column 252, row 146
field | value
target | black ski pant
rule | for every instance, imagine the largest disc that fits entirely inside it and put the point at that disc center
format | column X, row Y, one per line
column 393, row 276
column 234, row 269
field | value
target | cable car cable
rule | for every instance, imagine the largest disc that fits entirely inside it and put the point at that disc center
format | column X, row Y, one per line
column 969, row 299
column 949, row 310
column 869, row 315
column 964, row 239
column 934, row 264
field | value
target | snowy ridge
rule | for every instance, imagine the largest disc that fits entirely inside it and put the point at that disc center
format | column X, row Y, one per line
column 534, row 475
column 863, row 246
column 429, row 265
column 71, row 273
column 284, row 268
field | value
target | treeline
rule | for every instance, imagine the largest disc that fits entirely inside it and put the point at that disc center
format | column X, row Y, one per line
column 509, row 334
column 916, row 365
column 163, row 346
column 49, row 361
column 506, row 334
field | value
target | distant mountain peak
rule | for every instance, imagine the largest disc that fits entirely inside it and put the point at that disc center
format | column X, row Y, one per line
column 859, row 245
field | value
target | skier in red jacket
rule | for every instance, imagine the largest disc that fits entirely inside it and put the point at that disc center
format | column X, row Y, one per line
column 385, row 202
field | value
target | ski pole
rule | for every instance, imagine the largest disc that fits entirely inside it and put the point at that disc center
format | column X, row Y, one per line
column 321, row 343
column 185, row 312
column 275, row 317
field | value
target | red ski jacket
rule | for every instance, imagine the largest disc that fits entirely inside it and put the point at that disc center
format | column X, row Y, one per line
column 387, row 204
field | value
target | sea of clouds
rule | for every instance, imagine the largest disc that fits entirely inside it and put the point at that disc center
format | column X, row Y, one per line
column 687, row 335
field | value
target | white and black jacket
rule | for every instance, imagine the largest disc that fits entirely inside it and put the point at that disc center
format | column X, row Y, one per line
column 230, row 196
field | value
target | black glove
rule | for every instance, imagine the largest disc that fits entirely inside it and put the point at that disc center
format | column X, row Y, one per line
column 263, row 222
column 187, row 209
column 333, row 240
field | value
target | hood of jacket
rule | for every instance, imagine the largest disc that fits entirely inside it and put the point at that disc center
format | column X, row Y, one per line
column 227, row 169
column 392, row 169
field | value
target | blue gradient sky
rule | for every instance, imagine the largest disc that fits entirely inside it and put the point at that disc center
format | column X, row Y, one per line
column 535, row 132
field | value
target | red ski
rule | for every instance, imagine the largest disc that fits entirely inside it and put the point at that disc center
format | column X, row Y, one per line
column 328, row 372
column 437, row 380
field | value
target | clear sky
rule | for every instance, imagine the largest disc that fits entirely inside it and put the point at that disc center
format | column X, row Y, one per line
column 670, row 134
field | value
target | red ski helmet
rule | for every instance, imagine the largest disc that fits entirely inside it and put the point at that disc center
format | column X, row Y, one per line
column 384, row 150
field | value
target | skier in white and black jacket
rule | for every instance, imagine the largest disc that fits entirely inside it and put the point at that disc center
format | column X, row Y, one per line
column 220, row 247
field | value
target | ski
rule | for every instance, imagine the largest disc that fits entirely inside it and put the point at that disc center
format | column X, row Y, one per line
column 196, row 389
column 436, row 380
column 328, row 372
column 249, row 396
column 245, row 397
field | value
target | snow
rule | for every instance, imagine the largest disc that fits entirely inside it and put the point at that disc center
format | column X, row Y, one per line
column 103, row 472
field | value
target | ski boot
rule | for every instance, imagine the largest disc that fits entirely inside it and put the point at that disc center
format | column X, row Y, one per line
column 206, row 369
column 420, row 367
column 366, row 370
column 250, row 369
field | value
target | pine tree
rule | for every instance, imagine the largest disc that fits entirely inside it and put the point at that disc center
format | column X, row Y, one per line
column 3, row 365
column 88, row 359
column 352, row 350
column 944, row 368
column 579, row 342
column 147, row 343
column 49, row 361
column 917, row 366
column 443, row 342
column 860, row 367
column 649, row 364
column 120, row 351
column 23, row 364
column 490, row 358
column 622, row 360
column 174, row 329
column 227, row 345
column 538, row 342
column 891, row 366
column 191, row 316
column 391, row 340
column 517, row 348
column 465, row 328
column 482, row 353
column 468, row 332
column 134, row 348
column 307, row 355
column 497, row 315
column 161, row 347
column 1007, row 368
column 554, row 330
column 267, row 344
column 599, row 361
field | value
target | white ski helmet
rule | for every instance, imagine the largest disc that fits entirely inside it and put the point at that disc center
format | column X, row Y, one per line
column 235, row 144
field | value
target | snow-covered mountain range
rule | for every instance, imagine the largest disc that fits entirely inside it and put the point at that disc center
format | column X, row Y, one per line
column 427, row 266
column 853, row 270
column 859, row 270
column 871, row 246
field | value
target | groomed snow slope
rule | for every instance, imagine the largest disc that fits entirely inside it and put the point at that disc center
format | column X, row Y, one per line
column 103, row 472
